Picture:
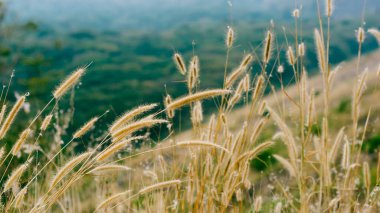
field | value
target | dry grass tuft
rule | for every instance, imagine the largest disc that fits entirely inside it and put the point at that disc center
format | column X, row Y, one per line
column 227, row 161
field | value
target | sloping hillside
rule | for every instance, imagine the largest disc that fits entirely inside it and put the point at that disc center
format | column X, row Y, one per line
column 341, row 89
column 341, row 92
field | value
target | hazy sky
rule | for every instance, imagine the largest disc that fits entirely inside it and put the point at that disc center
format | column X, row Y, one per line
column 147, row 13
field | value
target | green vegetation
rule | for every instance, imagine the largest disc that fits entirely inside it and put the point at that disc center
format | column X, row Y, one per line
column 372, row 144
column 130, row 61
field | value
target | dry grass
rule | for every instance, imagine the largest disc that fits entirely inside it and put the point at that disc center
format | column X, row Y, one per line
column 207, row 168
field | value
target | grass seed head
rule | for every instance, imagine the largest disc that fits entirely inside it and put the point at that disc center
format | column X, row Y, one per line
column 267, row 53
column 20, row 197
column 197, row 113
column 301, row 49
column 233, row 76
column 11, row 116
column 68, row 83
column 247, row 60
column 296, row 13
column 346, row 155
column 180, row 102
column 280, row 69
column 127, row 130
column 46, row 122
column 360, row 35
column 366, row 175
column 85, row 128
column 193, row 76
column 230, row 37
column 246, row 83
column 115, row 148
column 129, row 116
column 180, row 63
column 112, row 199
column 21, row 140
column 329, row 7
column 168, row 100
column 160, row 185
column 14, row 177
column 2, row 113
column 258, row 204
column 320, row 51
column 68, row 167
column 290, row 56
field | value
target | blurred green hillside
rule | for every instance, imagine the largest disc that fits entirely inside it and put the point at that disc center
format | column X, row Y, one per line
column 132, row 67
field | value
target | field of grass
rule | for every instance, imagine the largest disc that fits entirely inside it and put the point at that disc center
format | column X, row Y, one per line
column 284, row 119
column 128, row 61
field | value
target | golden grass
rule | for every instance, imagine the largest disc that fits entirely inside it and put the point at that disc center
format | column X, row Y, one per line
column 208, row 168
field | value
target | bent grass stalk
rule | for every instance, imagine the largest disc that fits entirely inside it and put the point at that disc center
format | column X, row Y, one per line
column 112, row 199
column 201, row 144
column 157, row 186
column 14, row 177
column 133, row 127
column 286, row 164
column 128, row 116
column 68, row 83
column 151, row 188
column 85, row 128
column 115, row 148
column 175, row 104
column 68, row 167
column 376, row 33
column 108, row 168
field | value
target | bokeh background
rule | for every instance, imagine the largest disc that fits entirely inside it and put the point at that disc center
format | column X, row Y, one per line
column 130, row 44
